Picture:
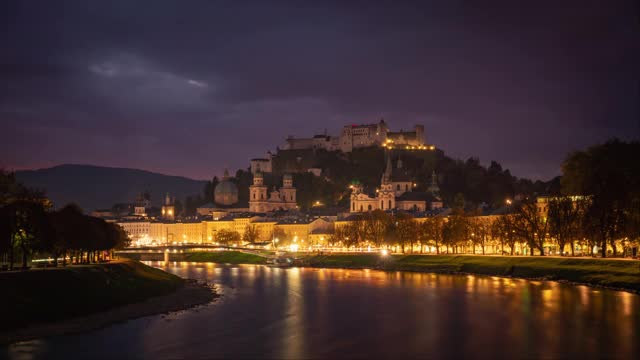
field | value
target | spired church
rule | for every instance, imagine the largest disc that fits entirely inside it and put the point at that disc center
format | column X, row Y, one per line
column 395, row 192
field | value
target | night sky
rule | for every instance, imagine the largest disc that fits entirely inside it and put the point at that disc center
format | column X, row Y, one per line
column 189, row 87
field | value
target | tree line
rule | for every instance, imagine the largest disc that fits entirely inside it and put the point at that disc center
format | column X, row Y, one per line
column 596, row 207
column 29, row 228
column 565, row 225
column 610, row 175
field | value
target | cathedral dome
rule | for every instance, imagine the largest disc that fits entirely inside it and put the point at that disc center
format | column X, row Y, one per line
column 226, row 192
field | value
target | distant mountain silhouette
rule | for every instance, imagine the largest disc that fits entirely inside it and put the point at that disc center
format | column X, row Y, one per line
column 94, row 187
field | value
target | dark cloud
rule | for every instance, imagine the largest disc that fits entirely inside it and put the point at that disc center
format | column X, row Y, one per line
column 191, row 87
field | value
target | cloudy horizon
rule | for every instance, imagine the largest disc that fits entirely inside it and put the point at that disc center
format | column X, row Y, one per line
column 191, row 88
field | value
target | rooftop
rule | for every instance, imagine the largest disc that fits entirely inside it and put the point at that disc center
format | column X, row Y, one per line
column 417, row 196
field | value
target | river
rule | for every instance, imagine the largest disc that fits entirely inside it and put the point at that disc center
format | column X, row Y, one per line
column 333, row 313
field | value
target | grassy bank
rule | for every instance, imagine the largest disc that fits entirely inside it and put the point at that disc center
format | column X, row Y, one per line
column 221, row 257
column 609, row 273
column 46, row 295
column 226, row 257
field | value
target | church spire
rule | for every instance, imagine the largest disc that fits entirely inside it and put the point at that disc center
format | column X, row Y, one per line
column 434, row 189
column 386, row 177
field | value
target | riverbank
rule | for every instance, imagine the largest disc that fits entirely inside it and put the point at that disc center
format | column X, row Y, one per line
column 615, row 274
column 50, row 302
column 220, row 257
column 608, row 273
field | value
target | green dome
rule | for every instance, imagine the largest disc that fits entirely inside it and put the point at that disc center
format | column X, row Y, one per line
column 226, row 192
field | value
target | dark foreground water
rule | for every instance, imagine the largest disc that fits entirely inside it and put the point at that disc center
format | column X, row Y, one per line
column 331, row 313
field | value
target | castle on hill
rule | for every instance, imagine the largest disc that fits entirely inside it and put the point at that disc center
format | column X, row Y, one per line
column 357, row 136
column 351, row 137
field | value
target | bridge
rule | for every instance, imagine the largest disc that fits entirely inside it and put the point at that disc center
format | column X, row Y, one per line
column 167, row 250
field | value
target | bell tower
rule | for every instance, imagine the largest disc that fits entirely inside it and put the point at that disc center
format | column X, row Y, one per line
column 288, row 192
column 168, row 208
column 258, row 194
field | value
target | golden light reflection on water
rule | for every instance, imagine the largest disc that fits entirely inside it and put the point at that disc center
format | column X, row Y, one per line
column 627, row 299
column 293, row 340
column 329, row 311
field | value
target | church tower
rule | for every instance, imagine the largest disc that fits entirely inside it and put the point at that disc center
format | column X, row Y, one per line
column 434, row 189
column 168, row 208
column 288, row 192
column 388, row 171
column 258, row 194
column 386, row 195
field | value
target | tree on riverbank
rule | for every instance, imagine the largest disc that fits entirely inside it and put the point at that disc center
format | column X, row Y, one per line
column 24, row 227
column 531, row 225
column 480, row 229
column 503, row 229
column 610, row 175
column 354, row 233
column 405, row 230
column 251, row 234
column 28, row 226
column 227, row 237
column 376, row 226
column 566, row 221
column 83, row 238
column 430, row 232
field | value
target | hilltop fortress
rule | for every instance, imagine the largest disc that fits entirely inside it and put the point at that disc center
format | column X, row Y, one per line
column 356, row 136
column 351, row 137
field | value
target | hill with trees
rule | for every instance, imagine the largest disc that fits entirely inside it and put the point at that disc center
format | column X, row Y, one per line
column 92, row 187
column 477, row 183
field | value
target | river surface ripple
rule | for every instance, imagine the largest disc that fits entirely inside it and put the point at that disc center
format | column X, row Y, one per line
column 334, row 313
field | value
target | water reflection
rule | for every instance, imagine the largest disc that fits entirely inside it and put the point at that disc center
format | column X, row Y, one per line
column 336, row 313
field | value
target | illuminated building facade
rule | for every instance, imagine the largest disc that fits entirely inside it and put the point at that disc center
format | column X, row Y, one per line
column 283, row 198
column 395, row 192
column 357, row 136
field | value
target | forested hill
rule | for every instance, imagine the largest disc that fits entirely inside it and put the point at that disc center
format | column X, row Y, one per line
column 93, row 187
column 479, row 184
